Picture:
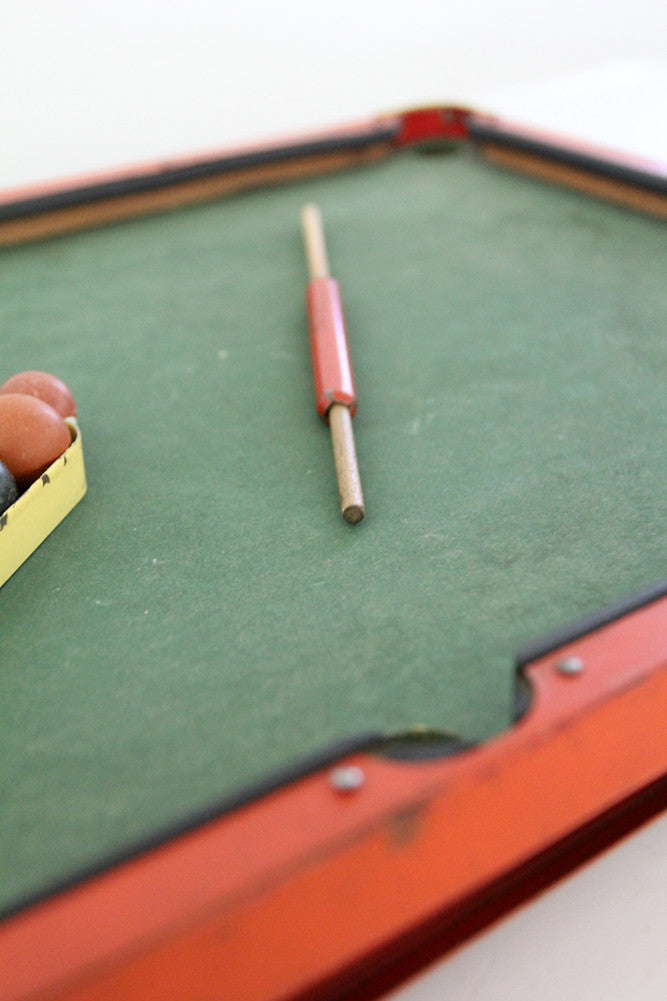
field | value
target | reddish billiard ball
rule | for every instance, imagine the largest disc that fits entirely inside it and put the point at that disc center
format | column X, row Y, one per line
column 45, row 387
column 32, row 436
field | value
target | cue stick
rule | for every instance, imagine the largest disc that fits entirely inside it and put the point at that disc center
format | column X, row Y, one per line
column 332, row 369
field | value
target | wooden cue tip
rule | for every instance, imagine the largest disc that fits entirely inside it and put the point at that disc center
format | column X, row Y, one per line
column 313, row 238
column 311, row 223
column 354, row 514
column 310, row 211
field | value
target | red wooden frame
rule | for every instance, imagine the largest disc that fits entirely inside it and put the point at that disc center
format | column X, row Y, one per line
column 326, row 882
column 48, row 210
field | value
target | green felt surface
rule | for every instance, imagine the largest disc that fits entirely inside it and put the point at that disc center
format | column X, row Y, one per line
column 205, row 616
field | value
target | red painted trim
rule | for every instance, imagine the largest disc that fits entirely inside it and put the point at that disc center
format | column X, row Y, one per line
column 425, row 125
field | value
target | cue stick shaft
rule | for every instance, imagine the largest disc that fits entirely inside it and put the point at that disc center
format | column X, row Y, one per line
column 332, row 369
column 345, row 462
column 314, row 242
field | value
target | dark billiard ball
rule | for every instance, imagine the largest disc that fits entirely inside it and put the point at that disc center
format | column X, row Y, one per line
column 45, row 387
column 32, row 436
column 8, row 490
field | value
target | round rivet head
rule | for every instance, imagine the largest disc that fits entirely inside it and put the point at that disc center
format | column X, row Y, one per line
column 570, row 666
column 347, row 778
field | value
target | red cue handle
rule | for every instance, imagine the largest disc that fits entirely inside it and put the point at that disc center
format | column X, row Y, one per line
column 332, row 368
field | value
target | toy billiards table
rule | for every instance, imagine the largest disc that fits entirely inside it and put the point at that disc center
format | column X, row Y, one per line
column 227, row 760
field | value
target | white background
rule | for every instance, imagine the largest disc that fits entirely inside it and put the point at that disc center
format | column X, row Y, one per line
column 88, row 85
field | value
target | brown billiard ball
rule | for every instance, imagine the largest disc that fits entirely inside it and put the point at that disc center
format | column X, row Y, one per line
column 45, row 387
column 32, row 436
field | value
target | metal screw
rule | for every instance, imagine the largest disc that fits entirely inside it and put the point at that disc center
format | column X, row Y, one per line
column 570, row 666
column 347, row 778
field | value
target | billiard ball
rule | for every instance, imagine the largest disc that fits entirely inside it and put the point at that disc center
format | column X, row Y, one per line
column 45, row 387
column 8, row 490
column 32, row 436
